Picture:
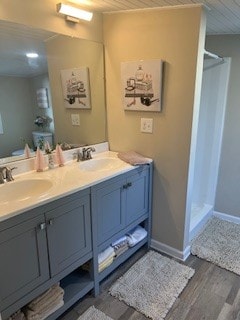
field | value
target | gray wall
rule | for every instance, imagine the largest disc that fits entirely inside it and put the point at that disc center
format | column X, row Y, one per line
column 227, row 195
column 17, row 113
column 19, row 109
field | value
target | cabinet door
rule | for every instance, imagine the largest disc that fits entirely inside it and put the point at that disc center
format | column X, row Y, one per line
column 137, row 195
column 23, row 259
column 69, row 233
column 109, row 209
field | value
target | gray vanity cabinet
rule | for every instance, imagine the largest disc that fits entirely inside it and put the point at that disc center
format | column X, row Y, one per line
column 119, row 202
column 23, row 259
column 68, row 233
column 108, row 206
column 137, row 195
column 118, row 205
column 41, row 247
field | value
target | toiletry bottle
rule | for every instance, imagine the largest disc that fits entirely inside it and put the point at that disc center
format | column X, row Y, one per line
column 139, row 74
column 50, row 161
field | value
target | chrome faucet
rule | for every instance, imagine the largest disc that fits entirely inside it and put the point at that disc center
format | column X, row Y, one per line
column 77, row 155
column 6, row 174
column 86, row 153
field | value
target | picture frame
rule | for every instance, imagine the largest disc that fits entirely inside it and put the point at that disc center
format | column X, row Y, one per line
column 76, row 88
column 142, row 85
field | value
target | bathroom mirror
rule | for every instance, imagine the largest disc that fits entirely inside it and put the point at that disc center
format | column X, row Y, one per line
column 22, row 80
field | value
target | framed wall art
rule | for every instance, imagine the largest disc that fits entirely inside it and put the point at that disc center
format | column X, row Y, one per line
column 76, row 90
column 142, row 85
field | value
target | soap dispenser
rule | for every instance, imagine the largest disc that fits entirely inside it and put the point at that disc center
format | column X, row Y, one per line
column 48, row 151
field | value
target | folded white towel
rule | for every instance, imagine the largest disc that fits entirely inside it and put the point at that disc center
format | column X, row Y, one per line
column 52, row 300
column 32, row 315
column 19, row 315
column 136, row 235
column 51, row 294
column 133, row 158
column 105, row 254
column 105, row 264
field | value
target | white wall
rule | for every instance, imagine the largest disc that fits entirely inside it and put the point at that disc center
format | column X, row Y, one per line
column 227, row 196
column 211, row 120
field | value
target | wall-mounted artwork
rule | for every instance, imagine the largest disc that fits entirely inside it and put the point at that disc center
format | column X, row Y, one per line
column 142, row 85
column 42, row 98
column 75, row 85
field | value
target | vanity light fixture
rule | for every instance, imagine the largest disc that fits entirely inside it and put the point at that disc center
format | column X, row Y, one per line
column 32, row 55
column 74, row 14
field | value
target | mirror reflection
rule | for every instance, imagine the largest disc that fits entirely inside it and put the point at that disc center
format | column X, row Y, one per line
column 32, row 105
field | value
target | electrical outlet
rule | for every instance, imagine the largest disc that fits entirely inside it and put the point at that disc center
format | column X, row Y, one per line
column 75, row 119
column 147, row 125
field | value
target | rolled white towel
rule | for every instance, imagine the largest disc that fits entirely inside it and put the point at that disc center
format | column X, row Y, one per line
column 136, row 235
column 119, row 241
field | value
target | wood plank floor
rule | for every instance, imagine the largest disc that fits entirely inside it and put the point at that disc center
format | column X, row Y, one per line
column 212, row 294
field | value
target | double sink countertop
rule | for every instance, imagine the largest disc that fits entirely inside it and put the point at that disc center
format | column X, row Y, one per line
column 32, row 189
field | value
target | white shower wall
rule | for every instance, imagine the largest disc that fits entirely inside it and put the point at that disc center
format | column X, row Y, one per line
column 209, row 139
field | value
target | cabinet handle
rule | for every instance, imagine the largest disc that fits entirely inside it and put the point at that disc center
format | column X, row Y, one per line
column 42, row 226
column 127, row 185
column 50, row 222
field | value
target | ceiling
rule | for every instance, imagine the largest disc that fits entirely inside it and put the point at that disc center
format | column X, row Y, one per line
column 16, row 40
column 223, row 16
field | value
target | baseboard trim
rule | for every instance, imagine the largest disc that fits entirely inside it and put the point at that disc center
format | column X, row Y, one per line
column 175, row 253
column 226, row 217
column 198, row 228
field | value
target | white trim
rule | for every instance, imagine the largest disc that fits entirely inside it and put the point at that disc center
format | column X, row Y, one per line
column 200, row 225
column 226, row 217
column 175, row 253
column 167, row 7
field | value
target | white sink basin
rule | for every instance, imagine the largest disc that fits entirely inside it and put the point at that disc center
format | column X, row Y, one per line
column 100, row 164
column 23, row 190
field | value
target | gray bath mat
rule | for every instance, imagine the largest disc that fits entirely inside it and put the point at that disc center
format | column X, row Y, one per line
column 94, row 314
column 219, row 243
column 152, row 284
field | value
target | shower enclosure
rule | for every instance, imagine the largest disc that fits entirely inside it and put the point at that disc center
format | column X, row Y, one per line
column 209, row 130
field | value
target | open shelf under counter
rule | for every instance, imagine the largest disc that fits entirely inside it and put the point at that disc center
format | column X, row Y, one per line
column 120, row 259
column 75, row 285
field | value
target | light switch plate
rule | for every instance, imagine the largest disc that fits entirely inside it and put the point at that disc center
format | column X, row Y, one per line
column 147, row 125
column 75, row 119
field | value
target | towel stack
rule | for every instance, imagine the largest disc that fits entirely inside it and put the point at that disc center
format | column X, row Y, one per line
column 44, row 305
column 120, row 246
column 19, row 315
column 105, row 258
column 136, row 235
